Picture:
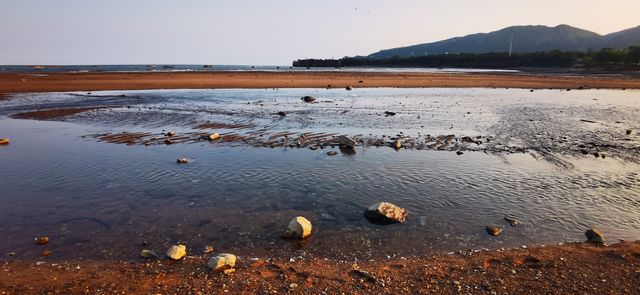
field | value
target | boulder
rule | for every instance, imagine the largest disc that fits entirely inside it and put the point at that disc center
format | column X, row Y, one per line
column 595, row 236
column 177, row 252
column 493, row 230
column 346, row 141
column 222, row 262
column 298, row 228
column 308, row 99
column 385, row 213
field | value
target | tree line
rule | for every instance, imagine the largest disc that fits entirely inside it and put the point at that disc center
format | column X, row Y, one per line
column 607, row 57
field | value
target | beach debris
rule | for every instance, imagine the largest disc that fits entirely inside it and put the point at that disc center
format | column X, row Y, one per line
column 349, row 88
column 148, row 254
column 493, row 230
column 4, row 141
column 332, row 153
column 595, row 236
column 459, row 153
column 42, row 240
column 222, row 262
column 346, row 141
column 389, row 114
column 182, row 161
column 177, row 252
column 308, row 99
column 298, row 228
column 281, row 114
column 385, row 213
column 168, row 141
column 171, row 133
column 397, row 144
column 628, row 133
column 208, row 249
column 513, row 222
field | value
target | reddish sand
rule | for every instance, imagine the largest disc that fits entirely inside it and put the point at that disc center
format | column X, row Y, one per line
column 568, row 269
column 12, row 83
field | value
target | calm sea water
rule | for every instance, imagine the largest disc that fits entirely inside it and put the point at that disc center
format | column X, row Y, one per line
column 102, row 200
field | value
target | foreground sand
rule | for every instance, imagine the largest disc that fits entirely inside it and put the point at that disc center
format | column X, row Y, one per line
column 568, row 269
column 17, row 83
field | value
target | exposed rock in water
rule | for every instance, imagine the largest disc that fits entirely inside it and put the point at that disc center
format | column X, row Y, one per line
column 148, row 254
column 222, row 262
column 171, row 133
column 388, row 114
column 332, row 153
column 459, row 153
column 4, row 141
column 511, row 221
column 298, row 228
column 397, row 144
column 182, row 161
column 346, row 141
column 308, row 99
column 177, row 252
column 214, row 136
column 42, row 240
column 385, row 213
column 282, row 114
column 349, row 88
column 347, row 150
column 595, row 236
column 168, row 141
column 493, row 230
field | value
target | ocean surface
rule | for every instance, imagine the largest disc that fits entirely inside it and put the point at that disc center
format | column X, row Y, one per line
column 208, row 68
column 97, row 199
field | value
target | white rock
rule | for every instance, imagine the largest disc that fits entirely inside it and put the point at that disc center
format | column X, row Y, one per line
column 222, row 262
column 298, row 228
column 384, row 212
column 177, row 252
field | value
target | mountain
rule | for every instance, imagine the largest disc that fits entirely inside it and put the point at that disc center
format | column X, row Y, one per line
column 525, row 39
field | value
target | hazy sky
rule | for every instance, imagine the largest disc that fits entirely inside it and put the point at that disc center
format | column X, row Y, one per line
column 267, row 32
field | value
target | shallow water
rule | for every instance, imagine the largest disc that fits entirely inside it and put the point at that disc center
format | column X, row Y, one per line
column 102, row 200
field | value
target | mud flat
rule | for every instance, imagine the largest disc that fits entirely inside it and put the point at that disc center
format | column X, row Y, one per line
column 567, row 269
column 14, row 82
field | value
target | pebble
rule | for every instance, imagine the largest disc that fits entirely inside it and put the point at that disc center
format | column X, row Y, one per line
column 171, row 133
column 42, row 240
column 182, row 161
column 222, row 262
column 208, row 249
column 459, row 153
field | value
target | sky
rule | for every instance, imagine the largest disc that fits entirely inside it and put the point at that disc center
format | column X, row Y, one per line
column 268, row 32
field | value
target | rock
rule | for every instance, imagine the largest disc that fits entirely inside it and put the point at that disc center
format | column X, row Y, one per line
column 148, row 254
column 511, row 221
column 208, row 249
column 332, row 153
column 229, row 271
column 349, row 88
column 493, row 230
column 42, row 240
column 222, row 262
column 168, row 141
column 308, row 99
column 46, row 253
column 385, row 213
column 388, row 113
column 298, row 228
column 214, row 136
column 628, row 132
column 281, row 114
column 397, row 144
column 346, row 141
column 182, row 161
column 171, row 133
column 177, row 252
column 459, row 153
column 4, row 141
column 360, row 81
column 595, row 236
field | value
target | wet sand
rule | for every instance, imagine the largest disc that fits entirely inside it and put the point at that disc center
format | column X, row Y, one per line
column 20, row 83
column 580, row 268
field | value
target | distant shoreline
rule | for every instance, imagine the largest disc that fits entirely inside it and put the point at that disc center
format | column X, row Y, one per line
column 56, row 82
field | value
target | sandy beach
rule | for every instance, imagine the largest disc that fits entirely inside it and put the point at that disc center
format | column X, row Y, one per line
column 20, row 83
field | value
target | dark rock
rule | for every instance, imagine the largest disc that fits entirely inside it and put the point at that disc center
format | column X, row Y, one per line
column 282, row 114
column 595, row 236
column 596, row 154
column 148, row 254
column 332, row 153
column 349, row 88
column 493, row 230
column 628, row 131
column 346, row 141
column 168, row 141
column 388, row 113
column 511, row 221
column 459, row 153
column 308, row 99
column 182, row 161
column 42, row 240
column 385, row 213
